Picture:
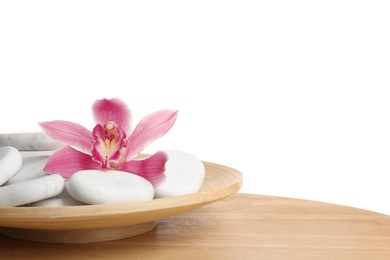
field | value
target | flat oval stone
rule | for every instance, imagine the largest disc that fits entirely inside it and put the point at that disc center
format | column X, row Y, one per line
column 185, row 174
column 27, row 154
column 32, row 167
column 38, row 141
column 102, row 187
column 26, row 192
column 57, row 202
column 64, row 193
column 10, row 162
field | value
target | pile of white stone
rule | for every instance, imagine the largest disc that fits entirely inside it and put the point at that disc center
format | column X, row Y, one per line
column 23, row 181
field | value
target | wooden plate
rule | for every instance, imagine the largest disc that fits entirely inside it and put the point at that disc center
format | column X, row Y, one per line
column 94, row 223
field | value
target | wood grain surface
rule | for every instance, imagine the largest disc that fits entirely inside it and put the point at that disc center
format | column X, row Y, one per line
column 241, row 226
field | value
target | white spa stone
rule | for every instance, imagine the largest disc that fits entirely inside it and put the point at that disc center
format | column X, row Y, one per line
column 57, row 202
column 27, row 154
column 102, row 187
column 185, row 174
column 26, row 192
column 32, row 167
column 38, row 141
column 10, row 162
column 64, row 193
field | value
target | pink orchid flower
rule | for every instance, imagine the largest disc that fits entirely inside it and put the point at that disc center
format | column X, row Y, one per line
column 111, row 145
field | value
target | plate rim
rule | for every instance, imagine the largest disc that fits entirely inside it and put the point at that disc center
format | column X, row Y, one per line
column 48, row 217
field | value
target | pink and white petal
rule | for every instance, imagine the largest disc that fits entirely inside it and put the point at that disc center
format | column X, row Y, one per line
column 99, row 146
column 151, row 168
column 69, row 133
column 115, row 110
column 108, row 154
column 149, row 129
column 67, row 161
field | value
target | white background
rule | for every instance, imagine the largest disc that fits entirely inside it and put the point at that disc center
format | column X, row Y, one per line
column 294, row 94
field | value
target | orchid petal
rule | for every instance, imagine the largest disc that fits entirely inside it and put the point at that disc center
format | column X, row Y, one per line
column 69, row 133
column 149, row 129
column 67, row 161
column 115, row 110
column 151, row 168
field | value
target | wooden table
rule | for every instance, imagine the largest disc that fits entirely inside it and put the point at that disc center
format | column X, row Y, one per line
column 242, row 226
